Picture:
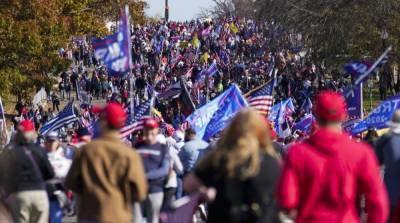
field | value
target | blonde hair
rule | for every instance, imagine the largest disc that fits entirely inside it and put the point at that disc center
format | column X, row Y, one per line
column 242, row 143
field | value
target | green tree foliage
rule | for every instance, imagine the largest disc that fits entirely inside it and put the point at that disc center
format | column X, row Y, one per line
column 32, row 31
column 336, row 31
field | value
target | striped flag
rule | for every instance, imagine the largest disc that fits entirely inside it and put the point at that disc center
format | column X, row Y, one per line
column 136, row 124
column 64, row 117
column 173, row 91
column 262, row 98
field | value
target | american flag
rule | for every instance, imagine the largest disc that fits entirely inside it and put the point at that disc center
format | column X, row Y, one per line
column 64, row 117
column 262, row 99
column 140, row 113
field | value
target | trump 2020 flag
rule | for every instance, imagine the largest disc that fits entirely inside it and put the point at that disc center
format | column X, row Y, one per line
column 354, row 108
column 231, row 104
column 379, row 117
column 115, row 50
column 363, row 70
column 360, row 71
column 200, row 118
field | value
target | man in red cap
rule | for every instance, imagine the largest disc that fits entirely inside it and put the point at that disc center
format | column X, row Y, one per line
column 324, row 176
column 156, row 160
column 24, row 168
column 107, row 176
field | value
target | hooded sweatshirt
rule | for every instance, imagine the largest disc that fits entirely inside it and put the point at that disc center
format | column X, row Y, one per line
column 324, row 177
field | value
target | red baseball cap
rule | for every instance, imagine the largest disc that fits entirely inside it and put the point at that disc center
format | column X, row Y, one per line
column 330, row 106
column 170, row 130
column 150, row 123
column 26, row 126
column 114, row 114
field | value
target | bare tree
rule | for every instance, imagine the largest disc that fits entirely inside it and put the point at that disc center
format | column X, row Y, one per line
column 221, row 9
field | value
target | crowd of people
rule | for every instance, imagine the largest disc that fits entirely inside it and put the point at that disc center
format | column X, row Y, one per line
column 246, row 174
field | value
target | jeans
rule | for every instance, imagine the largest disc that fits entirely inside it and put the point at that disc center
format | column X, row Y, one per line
column 56, row 106
column 179, row 188
column 169, row 197
column 62, row 94
column 151, row 208
column 69, row 95
column 30, row 206
column 56, row 212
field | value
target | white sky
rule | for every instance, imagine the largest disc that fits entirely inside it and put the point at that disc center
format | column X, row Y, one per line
column 179, row 10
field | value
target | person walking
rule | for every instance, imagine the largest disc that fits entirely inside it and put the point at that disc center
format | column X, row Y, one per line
column 55, row 187
column 324, row 176
column 157, row 163
column 61, row 88
column 387, row 149
column 25, row 168
column 68, row 89
column 243, row 170
column 56, row 102
column 106, row 175
column 190, row 151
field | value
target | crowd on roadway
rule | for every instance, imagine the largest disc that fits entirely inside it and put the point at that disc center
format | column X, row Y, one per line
column 246, row 174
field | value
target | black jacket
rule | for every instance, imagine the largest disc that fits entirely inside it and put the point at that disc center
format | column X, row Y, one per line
column 17, row 172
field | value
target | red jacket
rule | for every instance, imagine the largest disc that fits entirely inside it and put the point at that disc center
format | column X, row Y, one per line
column 324, row 176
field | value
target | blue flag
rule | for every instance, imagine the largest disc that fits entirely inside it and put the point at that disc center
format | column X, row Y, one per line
column 357, row 68
column 115, row 50
column 379, row 117
column 304, row 125
column 307, row 106
column 212, row 70
column 64, row 117
column 160, row 45
column 281, row 115
column 353, row 94
column 228, row 107
column 200, row 118
column 354, row 108
column 209, row 72
column 362, row 72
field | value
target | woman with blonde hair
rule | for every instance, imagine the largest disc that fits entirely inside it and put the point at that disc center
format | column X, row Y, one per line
column 243, row 170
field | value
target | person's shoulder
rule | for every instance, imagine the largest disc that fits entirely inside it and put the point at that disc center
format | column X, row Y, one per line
column 297, row 147
column 36, row 148
column 385, row 138
column 355, row 146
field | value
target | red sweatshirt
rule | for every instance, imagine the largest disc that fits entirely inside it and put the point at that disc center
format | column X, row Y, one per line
column 324, row 176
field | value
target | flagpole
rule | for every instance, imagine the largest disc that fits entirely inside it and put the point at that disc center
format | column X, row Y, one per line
column 256, row 89
column 4, row 120
column 372, row 68
column 362, row 101
column 132, row 96
column 206, row 83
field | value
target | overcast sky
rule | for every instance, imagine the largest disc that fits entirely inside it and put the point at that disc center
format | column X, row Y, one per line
column 179, row 10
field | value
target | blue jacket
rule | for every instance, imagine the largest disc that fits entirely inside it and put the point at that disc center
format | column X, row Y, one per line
column 156, row 161
column 387, row 149
column 189, row 153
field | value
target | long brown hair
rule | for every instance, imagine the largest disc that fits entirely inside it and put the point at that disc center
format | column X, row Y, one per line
column 242, row 142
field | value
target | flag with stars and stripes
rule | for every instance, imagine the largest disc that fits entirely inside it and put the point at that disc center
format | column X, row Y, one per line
column 262, row 98
column 64, row 117
column 134, row 124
